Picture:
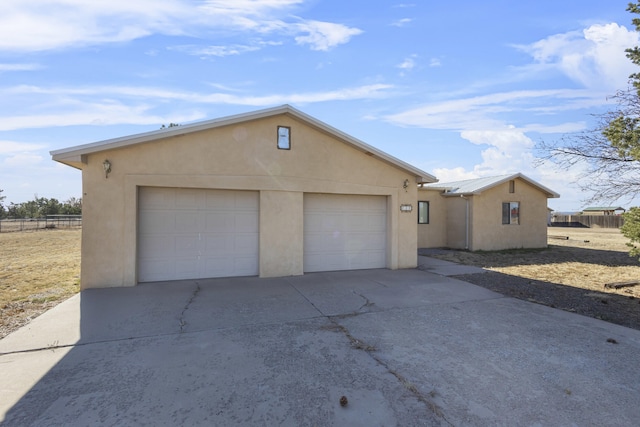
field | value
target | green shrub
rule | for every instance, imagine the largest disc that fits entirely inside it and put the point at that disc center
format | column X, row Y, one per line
column 631, row 230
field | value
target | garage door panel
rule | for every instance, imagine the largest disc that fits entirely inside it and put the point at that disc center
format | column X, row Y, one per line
column 154, row 197
column 357, row 223
column 313, row 222
column 313, row 242
column 187, row 244
column 218, row 244
column 157, row 220
column 246, row 264
column 220, row 222
column 246, row 243
column 375, row 240
column 160, row 245
column 217, row 267
column 187, row 199
column 156, row 270
column 343, row 232
column 246, row 222
column 188, row 221
column 247, row 201
column 197, row 233
column 375, row 221
column 186, row 269
column 220, row 200
column 226, row 266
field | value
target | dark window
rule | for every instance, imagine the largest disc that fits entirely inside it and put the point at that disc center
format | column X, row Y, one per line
column 423, row 212
column 284, row 138
column 511, row 213
column 512, row 186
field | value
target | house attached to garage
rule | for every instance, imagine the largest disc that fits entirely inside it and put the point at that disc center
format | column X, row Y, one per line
column 489, row 213
column 271, row 193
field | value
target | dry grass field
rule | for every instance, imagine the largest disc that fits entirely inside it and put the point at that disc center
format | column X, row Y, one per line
column 38, row 269
column 42, row 268
column 588, row 259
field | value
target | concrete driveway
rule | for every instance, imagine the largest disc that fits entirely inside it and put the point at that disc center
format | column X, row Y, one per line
column 407, row 347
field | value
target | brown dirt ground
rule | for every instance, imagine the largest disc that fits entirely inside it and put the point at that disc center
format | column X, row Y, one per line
column 569, row 275
column 42, row 268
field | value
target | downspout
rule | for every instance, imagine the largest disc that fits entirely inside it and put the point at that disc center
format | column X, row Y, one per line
column 466, row 218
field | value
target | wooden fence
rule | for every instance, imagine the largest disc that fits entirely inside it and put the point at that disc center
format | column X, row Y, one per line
column 588, row 221
column 51, row 221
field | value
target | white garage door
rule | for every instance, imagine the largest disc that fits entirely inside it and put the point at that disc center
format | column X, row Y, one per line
column 193, row 233
column 344, row 232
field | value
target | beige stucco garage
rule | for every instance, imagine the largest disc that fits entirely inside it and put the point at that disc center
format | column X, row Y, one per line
column 271, row 193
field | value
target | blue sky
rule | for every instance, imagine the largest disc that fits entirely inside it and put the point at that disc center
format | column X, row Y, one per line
column 460, row 89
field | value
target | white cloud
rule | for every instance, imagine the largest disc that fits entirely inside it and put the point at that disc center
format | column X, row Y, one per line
column 19, row 67
column 401, row 22
column 12, row 147
column 52, row 24
column 146, row 93
column 20, row 154
column 507, row 140
column 508, row 151
column 408, row 64
column 85, row 113
column 454, row 174
column 324, row 35
column 220, row 51
column 22, row 160
column 38, row 25
column 78, row 106
column 484, row 112
column 594, row 57
column 435, row 62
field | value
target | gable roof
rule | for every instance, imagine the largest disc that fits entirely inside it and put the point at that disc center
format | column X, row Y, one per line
column 75, row 156
column 470, row 187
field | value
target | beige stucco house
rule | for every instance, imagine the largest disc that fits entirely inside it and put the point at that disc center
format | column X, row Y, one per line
column 271, row 193
column 491, row 213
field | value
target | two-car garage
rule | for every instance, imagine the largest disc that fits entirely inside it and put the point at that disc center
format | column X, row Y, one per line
column 202, row 233
column 272, row 193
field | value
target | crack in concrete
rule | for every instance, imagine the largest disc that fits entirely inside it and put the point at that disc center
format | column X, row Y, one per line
column 370, row 349
column 182, row 322
column 367, row 303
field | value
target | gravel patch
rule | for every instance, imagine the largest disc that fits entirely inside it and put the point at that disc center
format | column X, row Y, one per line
column 619, row 309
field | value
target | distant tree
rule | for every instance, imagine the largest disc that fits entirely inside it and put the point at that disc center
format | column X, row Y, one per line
column 48, row 207
column 40, row 207
column 30, row 209
column 171, row 125
column 3, row 212
column 72, row 206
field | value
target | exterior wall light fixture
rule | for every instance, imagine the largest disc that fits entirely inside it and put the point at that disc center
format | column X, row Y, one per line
column 406, row 208
column 107, row 168
column 405, row 185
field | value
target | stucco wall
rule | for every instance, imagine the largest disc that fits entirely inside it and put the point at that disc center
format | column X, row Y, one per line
column 281, row 224
column 239, row 157
column 488, row 231
column 434, row 234
column 457, row 235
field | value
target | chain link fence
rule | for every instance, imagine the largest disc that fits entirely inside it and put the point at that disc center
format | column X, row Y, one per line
column 50, row 222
